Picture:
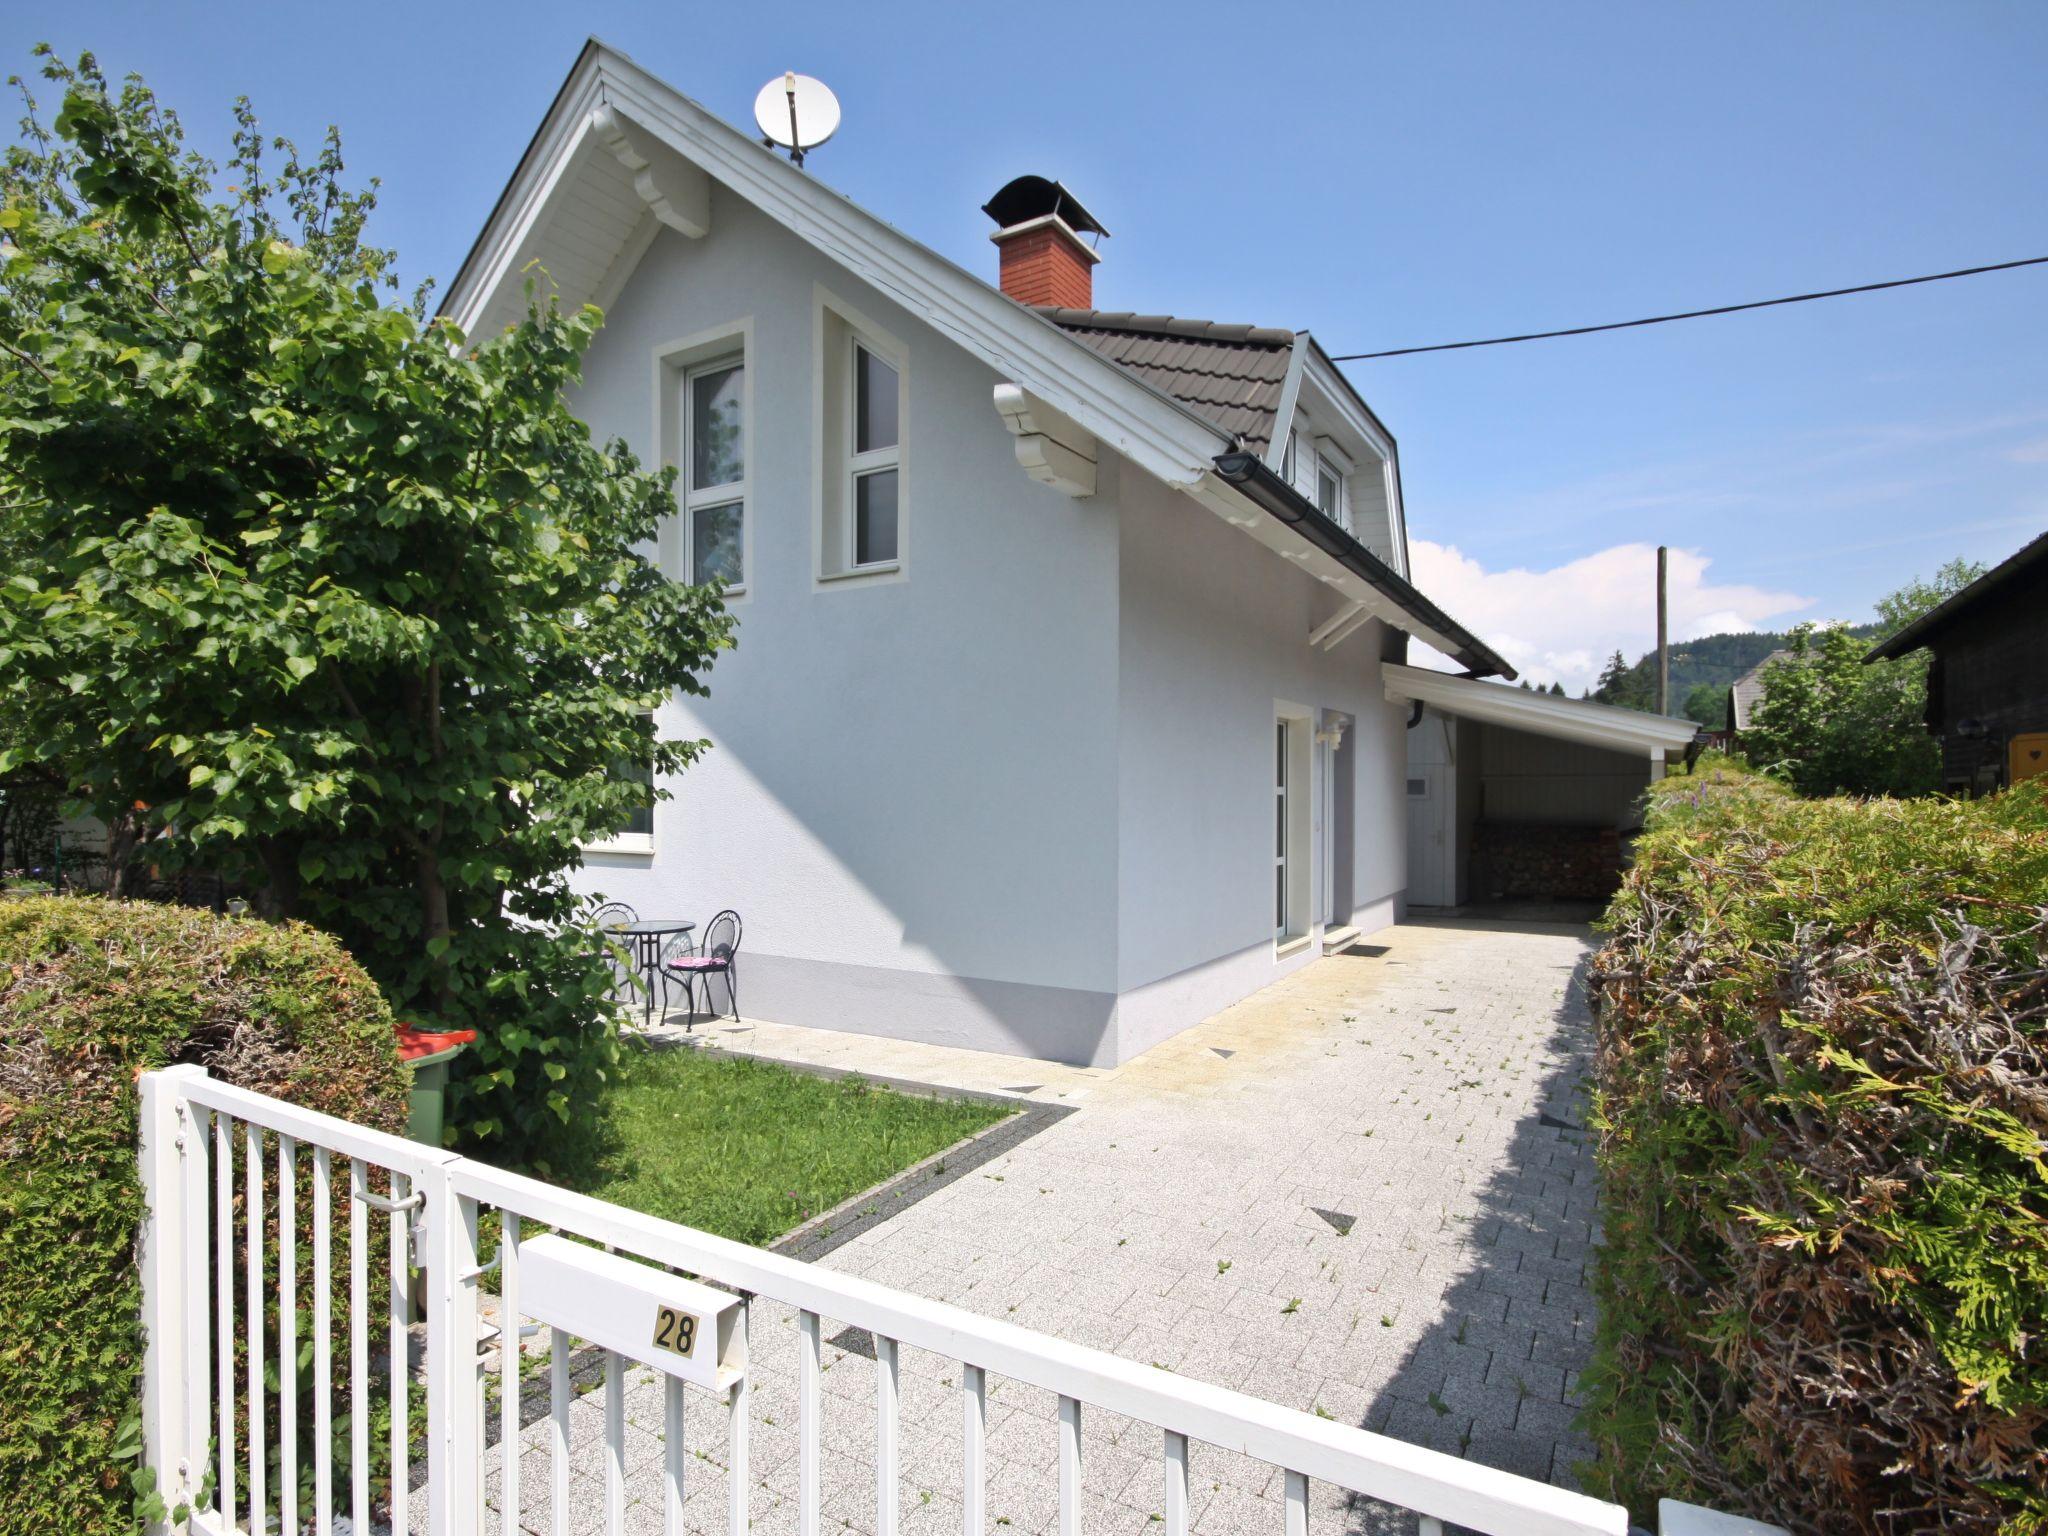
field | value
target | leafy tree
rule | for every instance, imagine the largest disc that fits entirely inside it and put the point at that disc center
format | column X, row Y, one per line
column 1898, row 609
column 1708, row 704
column 1828, row 723
column 354, row 610
column 1623, row 685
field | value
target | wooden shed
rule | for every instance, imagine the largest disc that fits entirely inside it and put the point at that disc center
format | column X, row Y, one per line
column 1987, row 685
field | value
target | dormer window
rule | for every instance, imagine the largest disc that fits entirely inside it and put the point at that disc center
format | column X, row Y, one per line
column 1330, row 499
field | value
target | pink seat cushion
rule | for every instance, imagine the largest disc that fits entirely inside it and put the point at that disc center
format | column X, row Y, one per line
column 697, row 963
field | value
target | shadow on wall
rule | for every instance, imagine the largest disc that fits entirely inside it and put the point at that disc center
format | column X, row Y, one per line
column 1495, row 1378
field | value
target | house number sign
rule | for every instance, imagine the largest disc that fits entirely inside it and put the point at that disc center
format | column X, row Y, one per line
column 674, row 1331
column 677, row 1326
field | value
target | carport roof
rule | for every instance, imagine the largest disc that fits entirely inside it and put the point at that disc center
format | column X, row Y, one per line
column 1542, row 714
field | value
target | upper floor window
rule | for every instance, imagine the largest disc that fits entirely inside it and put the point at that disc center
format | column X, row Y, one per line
column 1330, row 490
column 715, row 484
column 862, row 476
column 876, row 459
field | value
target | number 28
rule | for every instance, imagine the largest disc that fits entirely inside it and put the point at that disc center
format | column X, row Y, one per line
column 673, row 1330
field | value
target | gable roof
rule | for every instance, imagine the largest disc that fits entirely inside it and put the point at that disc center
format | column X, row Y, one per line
column 555, row 210
column 1744, row 692
column 1930, row 624
column 1231, row 375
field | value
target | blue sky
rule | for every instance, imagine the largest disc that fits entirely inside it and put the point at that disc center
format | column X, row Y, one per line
column 1386, row 175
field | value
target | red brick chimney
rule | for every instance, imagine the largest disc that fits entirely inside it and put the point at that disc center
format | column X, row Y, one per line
column 1044, row 260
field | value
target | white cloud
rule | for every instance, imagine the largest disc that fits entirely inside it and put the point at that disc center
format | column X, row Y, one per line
column 2035, row 452
column 1560, row 625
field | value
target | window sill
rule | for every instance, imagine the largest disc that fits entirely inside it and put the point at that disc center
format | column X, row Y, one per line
column 859, row 572
column 1287, row 949
column 640, row 844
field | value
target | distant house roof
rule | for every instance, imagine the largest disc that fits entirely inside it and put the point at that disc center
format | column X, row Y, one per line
column 1747, row 689
column 1229, row 375
column 1923, row 630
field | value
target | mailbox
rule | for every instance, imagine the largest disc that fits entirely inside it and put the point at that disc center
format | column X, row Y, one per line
column 646, row 1314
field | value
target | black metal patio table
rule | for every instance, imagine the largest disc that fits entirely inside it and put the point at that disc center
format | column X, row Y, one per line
column 646, row 937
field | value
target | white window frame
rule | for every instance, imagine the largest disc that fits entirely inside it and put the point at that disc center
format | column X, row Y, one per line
column 1337, row 467
column 838, row 331
column 640, row 844
column 860, row 465
column 675, row 363
column 732, row 493
column 1297, row 862
column 1283, row 826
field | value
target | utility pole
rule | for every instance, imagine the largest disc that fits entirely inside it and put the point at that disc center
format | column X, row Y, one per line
column 1663, row 637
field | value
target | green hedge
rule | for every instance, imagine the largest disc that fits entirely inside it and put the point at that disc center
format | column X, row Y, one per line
column 91, row 993
column 1822, row 1100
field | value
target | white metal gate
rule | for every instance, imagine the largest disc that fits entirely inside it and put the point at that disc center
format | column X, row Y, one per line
column 425, row 1208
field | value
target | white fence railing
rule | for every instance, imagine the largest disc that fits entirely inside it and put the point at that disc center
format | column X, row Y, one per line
column 402, row 1209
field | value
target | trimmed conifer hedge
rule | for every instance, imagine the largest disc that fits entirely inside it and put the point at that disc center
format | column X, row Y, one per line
column 91, row 993
column 1822, row 1101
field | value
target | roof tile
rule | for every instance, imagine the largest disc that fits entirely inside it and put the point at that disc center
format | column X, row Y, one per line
column 1229, row 375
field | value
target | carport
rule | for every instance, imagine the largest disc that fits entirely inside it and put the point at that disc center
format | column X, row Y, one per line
column 1515, row 795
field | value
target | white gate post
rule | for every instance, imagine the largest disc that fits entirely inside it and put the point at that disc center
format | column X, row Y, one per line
column 454, row 1423
column 163, row 1243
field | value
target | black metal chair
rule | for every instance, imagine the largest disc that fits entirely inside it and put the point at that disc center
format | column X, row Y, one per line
column 617, row 954
column 675, row 949
column 719, row 957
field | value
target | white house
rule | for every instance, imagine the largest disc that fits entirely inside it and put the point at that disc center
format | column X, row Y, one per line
column 1059, row 716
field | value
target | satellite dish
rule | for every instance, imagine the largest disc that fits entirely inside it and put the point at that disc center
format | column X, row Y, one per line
column 797, row 112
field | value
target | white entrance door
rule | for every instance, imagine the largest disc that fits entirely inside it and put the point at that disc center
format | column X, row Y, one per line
column 1429, row 841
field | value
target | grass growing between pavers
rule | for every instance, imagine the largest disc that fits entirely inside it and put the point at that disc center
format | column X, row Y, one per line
column 750, row 1149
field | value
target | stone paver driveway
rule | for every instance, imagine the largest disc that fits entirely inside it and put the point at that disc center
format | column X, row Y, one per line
column 1358, row 1193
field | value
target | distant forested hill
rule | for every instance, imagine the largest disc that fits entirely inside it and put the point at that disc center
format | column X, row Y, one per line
column 1701, row 671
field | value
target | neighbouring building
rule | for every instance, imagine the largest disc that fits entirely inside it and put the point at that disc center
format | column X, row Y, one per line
column 1070, row 702
column 1987, row 677
column 1747, row 691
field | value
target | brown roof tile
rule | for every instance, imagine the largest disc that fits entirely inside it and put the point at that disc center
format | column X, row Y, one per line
column 1229, row 375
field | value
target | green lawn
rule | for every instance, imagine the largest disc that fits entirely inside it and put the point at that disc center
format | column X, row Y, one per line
column 749, row 1149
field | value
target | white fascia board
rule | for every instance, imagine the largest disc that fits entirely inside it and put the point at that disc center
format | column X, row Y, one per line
column 1523, row 709
column 1159, row 435
column 1240, row 511
column 1283, row 411
column 526, row 198
column 1350, row 406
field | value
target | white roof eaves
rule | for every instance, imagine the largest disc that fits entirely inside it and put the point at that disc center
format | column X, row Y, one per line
column 1622, row 730
column 1157, row 433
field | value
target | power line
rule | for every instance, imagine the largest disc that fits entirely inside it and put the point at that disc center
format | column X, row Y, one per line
column 1695, row 314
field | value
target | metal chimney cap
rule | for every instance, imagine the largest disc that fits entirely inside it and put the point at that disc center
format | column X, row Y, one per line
column 1033, row 197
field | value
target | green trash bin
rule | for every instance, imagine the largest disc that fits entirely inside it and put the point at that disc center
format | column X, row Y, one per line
column 427, row 1053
